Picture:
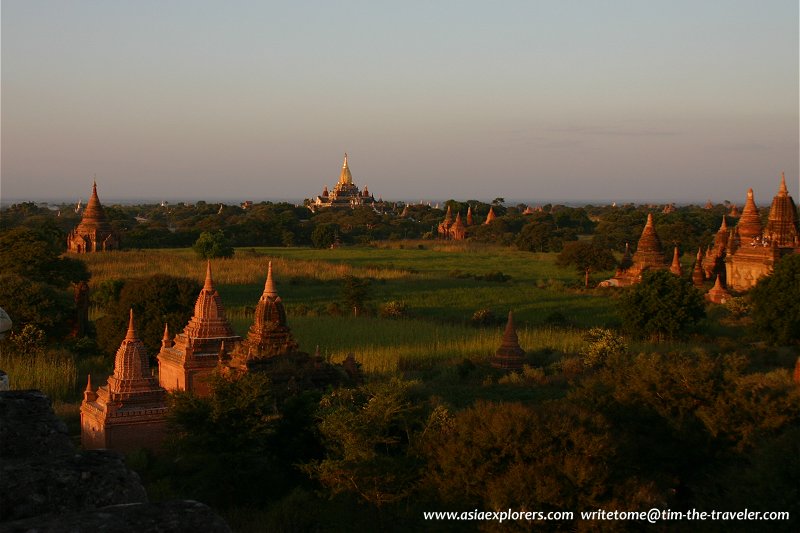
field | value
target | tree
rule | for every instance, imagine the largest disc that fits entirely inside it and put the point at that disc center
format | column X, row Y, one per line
column 210, row 245
column 662, row 305
column 586, row 257
column 370, row 435
column 776, row 303
column 155, row 300
column 324, row 235
column 354, row 293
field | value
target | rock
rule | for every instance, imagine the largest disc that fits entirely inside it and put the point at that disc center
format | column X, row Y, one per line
column 46, row 485
column 76, row 482
column 171, row 517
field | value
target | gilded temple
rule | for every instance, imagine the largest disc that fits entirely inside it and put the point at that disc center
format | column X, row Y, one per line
column 344, row 195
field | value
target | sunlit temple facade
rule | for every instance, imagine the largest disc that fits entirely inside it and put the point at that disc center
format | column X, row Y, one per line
column 129, row 411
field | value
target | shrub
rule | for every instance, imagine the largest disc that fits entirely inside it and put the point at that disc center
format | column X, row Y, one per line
column 394, row 309
column 483, row 318
column 602, row 345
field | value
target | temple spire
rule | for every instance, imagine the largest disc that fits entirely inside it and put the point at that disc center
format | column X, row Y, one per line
column 209, row 283
column 724, row 225
column 783, row 191
column 269, row 286
column 345, row 178
column 88, row 383
column 675, row 267
column 165, row 339
column 131, row 335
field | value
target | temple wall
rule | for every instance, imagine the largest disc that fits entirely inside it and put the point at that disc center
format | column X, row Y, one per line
column 131, row 434
column 171, row 376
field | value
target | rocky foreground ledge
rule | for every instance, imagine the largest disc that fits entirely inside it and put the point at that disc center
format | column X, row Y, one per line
column 46, row 485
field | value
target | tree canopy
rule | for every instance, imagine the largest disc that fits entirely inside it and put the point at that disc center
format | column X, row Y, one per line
column 776, row 303
column 662, row 305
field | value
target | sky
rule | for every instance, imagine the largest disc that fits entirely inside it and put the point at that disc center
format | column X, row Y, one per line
column 577, row 100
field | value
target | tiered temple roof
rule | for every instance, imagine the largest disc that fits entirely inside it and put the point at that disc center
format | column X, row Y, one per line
column 269, row 336
column 130, row 410
column 782, row 226
column 188, row 363
column 94, row 233
column 509, row 355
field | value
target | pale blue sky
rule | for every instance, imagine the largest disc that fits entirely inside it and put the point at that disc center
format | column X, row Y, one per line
column 644, row 100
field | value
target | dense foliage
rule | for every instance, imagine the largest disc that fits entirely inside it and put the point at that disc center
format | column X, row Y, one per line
column 776, row 303
column 155, row 300
column 661, row 306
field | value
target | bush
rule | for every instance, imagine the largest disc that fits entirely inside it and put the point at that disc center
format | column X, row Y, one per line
column 394, row 309
column 602, row 345
column 483, row 318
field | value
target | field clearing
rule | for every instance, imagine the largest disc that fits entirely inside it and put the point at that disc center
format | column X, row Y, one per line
column 436, row 284
column 385, row 346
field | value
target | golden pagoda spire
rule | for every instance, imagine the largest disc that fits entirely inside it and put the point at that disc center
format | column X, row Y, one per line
column 345, row 178
column 783, row 191
column 724, row 226
column 88, row 383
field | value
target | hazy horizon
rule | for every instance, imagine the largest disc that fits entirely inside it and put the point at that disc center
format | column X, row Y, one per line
column 620, row 101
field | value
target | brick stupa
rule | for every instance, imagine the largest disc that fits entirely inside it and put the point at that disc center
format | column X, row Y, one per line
column 714, row 262
column 648, row 256
column 269, row 336
column 491, row 216
column 718, row 294
column 675, row 267
column 188, row 362
column 129, row 412
column 94, row 233
column 509, row 356
column 753, row 251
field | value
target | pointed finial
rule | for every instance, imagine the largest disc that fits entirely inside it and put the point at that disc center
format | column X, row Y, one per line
column 131, row 330
column 209, row 283
column 165, row 338
column 700, row 253
column 783, row 191
column 269, row 286
column 88, row 383
column 750, row 193
column 717, row 284
column 649, row 220
column 724, row 225
column 344, row 165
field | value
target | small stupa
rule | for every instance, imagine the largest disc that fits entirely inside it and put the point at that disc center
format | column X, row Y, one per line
column 509, row 355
